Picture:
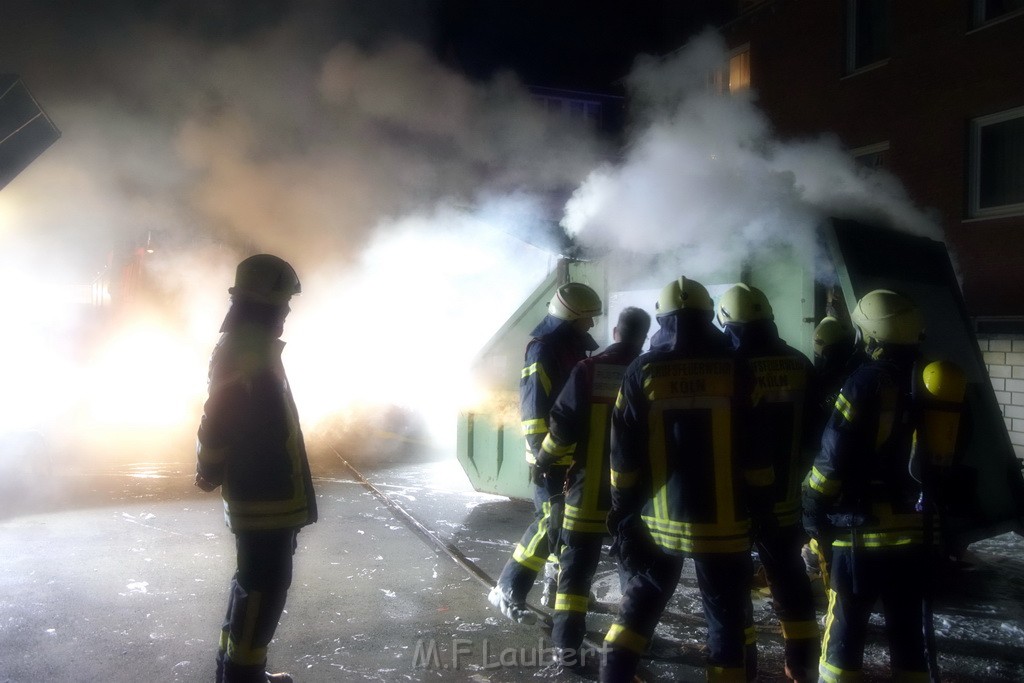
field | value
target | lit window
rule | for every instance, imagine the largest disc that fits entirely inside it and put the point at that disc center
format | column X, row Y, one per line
column 997, row 164
column 867, row 33
column 739, row 70
column 734, row 75
column 986, row 11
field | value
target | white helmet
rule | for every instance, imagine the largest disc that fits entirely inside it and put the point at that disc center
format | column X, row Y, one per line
column 683, row 294
column 888, row 317
column 573, row 301
column 742, row 303
column 830, row 331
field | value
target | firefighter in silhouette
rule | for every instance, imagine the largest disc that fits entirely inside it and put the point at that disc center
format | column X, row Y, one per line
column 250, row 444
column 684, row 484
column 560, row 341
column 861, row 501
column 781, row 424
column 836, row 355
column 579, row 428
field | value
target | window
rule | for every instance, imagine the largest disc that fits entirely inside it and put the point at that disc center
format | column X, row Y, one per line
column 576, row 109
column 986, row 11
column 867, row 33
column 733, row 75
column 872, row 156
column 739, row 70
column 996, row 185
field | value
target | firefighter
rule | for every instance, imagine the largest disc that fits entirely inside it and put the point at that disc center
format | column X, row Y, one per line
column 684, row 484
column 250, row 444
column 782, row 424
column 860, row 501
column 579, row 428
column 560, row 341
column 836, row 355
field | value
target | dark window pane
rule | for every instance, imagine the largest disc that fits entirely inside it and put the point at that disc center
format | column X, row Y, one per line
column 870, row 32
column 1001, row 180
column 993, row 9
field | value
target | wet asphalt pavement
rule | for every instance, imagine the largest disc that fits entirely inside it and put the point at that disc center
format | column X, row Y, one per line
column 122, row 575
column 135, row 591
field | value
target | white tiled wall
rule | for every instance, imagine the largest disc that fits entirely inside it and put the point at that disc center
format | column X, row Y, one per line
column 1004, row 358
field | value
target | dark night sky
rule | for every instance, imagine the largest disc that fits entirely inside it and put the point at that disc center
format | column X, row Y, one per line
column 562, row 43
column 569, row 43
column 123, row 78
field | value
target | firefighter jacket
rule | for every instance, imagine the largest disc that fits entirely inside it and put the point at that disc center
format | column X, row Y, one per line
column 555, row 348
column 860, row 484
column 678, row 454
column 832, row 368
column 249, row 440
column 580, row 425
column 782, row 417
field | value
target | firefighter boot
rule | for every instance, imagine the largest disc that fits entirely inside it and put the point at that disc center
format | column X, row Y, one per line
column 516, row 610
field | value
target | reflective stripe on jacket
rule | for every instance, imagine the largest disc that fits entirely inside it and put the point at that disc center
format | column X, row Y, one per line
column 250, row 441
column 580, row 428
column 861, row 477
column 555, row 348
column 782, row 410
column 678, row 447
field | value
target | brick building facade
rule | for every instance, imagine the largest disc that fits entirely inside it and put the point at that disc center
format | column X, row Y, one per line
column 933, row 92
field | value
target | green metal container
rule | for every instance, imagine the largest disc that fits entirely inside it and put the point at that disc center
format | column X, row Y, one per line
column 491, row 447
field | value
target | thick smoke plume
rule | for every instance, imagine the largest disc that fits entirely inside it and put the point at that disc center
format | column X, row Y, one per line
column 407, row 198
column 705, row 178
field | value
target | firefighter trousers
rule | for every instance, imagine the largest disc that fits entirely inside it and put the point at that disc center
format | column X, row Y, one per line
column 792, row 598
column 724, row 582
column 860, row 577
column 540, row 540
column 259, row 589
column 577, row 565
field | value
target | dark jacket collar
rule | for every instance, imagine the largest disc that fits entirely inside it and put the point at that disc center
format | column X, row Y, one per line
column 756, row 338
column 688, row 331
column 556, row 328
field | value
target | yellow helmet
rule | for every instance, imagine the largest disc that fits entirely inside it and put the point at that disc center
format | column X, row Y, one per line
column 828, row 332
column 742, row 303
column 265, row 279
column 888, row 317
column 683, row 294
column 573, row 301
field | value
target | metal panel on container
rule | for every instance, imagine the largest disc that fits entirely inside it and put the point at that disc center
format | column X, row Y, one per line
column 490, row 444
column 492, row 456
column 789, row 285
column 25, row 130
column 989, row 481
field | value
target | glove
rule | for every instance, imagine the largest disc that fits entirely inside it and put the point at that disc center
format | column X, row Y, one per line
column 633, row 544
column 615, row 518
column 204, row 484
column 815, row 521
column 538, row 474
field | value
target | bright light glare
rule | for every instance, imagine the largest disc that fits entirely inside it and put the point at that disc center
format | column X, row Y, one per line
column 8, row 213
column 144, row 377
column 405, row 330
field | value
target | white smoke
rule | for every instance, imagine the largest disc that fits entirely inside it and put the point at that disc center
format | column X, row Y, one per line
column 404, row 195
column 704, row 175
